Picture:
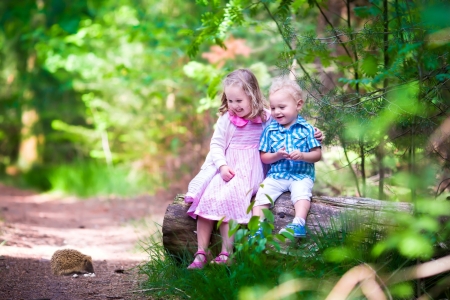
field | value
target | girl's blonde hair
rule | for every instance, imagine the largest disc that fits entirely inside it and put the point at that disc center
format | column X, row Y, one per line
column 287, row 85
column 247, row 81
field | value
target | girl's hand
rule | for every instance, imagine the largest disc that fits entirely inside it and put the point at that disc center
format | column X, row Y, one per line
column 282, row 154
column 318, row 135
column 226, row 173
column 296, row 155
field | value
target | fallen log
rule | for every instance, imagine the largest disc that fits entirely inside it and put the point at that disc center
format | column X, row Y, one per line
column 326, row 213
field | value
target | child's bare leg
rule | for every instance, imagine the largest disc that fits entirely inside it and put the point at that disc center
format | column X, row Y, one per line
column 227, row 241
column 204, row 230
column 258, row 211
column 299, row 221
column 301, row 209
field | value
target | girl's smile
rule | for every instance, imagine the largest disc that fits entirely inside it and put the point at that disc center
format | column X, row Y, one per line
column 238, row 101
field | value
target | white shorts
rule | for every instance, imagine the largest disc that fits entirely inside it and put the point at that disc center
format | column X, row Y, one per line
column 300, row 190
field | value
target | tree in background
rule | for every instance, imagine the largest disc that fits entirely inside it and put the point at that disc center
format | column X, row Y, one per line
column 377, row 72
column 96, row 80
column 110, row 82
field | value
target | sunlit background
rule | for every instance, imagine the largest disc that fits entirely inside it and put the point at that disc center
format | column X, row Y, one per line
column 123, row 94
column 119, row 97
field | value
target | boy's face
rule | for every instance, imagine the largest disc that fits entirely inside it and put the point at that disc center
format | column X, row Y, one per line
column 284, row 108
column 238, row 101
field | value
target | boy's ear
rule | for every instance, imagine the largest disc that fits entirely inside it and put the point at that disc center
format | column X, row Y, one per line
column 300, row 104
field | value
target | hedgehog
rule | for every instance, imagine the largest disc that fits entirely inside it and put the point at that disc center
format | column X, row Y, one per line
column 70, row 261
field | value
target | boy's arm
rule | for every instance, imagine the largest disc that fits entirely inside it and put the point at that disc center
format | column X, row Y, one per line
column 269, row 157
column 310, row 157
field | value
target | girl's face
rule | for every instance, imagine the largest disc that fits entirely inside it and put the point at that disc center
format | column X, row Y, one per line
column 238, row 101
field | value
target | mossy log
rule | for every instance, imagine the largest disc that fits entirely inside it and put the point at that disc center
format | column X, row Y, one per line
column 326, row 213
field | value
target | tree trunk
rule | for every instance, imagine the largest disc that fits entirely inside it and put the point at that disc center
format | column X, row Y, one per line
column 179, row 229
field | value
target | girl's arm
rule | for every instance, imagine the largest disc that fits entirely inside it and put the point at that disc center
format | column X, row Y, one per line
column 318, row 134
column 311, row 157
column 218, row 141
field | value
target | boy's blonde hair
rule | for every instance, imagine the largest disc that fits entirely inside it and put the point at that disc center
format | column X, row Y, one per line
column 287, row 85
column 247, row 81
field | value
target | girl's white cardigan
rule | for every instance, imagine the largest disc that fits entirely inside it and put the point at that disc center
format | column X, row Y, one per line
column 221, row 140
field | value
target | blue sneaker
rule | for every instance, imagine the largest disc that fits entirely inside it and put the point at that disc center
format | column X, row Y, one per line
column 299, row 230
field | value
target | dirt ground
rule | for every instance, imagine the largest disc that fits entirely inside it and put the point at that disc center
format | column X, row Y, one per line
column 112, row 231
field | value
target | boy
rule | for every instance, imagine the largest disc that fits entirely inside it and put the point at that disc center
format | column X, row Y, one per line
column 290, row 148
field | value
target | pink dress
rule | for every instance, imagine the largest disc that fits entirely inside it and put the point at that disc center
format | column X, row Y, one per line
column 217, row 199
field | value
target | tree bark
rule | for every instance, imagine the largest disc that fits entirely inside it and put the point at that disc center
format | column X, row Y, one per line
column 179, row 229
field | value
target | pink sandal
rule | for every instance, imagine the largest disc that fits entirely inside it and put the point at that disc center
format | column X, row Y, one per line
column 219, row 260
column 199, row 264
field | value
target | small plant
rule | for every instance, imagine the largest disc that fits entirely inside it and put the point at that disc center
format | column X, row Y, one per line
column 256, row 263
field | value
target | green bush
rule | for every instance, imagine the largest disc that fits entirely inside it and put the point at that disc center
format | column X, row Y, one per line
column 312, row 265
column 86, row 179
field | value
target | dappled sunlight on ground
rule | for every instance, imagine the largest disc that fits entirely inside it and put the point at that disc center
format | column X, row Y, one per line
column 113, row 231
column 103, row 228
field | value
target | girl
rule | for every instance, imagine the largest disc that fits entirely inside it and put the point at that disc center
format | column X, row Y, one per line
column 233, row 170
column 232, row 167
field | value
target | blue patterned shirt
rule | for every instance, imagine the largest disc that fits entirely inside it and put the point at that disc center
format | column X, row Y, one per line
column 300, row 136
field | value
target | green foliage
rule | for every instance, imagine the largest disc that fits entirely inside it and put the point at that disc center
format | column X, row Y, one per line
column 111, row 82
column 379, row 92
column 94, row 179
column 420, row 233
column 260, row 265
column 105, row 78
column 87, row 179
column 169, row 277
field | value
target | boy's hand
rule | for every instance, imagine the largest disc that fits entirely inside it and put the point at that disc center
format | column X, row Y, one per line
column 296, row 155
column 282, row 154
column 226, row 173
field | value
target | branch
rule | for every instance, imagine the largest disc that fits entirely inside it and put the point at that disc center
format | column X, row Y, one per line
column 363, row 275
column 290, row 47
column 333, row 29
column 366, row 277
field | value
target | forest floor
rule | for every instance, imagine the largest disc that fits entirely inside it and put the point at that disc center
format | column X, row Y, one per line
column 112, row 231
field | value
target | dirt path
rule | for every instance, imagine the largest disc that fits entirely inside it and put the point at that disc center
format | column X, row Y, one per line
column 111, row 231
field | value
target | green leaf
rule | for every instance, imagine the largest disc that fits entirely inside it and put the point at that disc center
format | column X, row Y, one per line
column 280, row 237
column 250, row 207
column 240, row 234
column 270, row 199
column 284, row 10
column 234, row 227
column 426, row 223
column 269, row 215
column 253, row 224
column 338, row 255
column 442, row 77
column 220, row 222
column 434, row 208
column 275, row 244
column 415, row 246
column 261, row 245
column 289, row 234
column 214, row 86
column 369, row 66
column 379, row 248
column 366, row 11
column 402, row 290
